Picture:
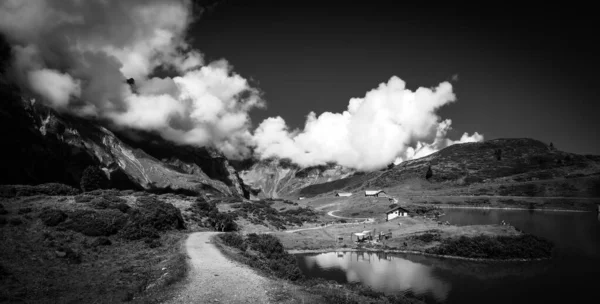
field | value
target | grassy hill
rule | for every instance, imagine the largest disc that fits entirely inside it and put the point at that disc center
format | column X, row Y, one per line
column 525, row 167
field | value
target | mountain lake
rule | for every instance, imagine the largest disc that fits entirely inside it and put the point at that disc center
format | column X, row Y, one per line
column 572, row 274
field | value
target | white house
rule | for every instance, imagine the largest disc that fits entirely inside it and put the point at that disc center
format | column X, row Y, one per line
column 395, row 212
column 343, row 194
column 301, row 198
column 375, row 193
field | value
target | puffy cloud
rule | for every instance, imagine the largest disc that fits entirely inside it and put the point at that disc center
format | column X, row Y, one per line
column 391, row 123
column 78, row 54
column 56, row 86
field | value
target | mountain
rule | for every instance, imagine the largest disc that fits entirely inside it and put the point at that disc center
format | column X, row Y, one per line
column 41, row 145
column 513, row 166
column 275, row 178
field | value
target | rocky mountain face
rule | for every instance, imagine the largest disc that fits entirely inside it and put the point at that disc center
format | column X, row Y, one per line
column 275, row 178
column 41, row 145
column 513, row 161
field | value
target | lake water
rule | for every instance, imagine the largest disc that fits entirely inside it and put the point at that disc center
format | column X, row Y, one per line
column 572, row 275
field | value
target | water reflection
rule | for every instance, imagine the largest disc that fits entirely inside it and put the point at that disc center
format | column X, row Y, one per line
column 381, row 271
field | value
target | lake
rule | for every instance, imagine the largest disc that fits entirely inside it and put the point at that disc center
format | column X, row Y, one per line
column 571, row 275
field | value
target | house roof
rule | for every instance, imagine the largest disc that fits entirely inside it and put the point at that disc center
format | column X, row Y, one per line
column 396, row 208
column 372, row 192
column 344, row 193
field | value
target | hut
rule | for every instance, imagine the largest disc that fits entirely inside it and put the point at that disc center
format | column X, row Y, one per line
column 395, row 212
column 375, row 193
column 343, row 194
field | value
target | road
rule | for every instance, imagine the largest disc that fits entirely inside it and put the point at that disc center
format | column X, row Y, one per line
column 213, row 278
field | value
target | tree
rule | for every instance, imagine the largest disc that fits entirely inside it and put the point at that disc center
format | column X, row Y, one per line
column 551, row 146
column 429, row 173
column 93, row 178
column 498, row 154
column 390, row 166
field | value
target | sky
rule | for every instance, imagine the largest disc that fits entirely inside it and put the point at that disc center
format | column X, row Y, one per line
column 516, row 72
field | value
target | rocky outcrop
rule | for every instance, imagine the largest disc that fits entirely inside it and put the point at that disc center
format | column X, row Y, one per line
column 279, row 178
column 42, row 145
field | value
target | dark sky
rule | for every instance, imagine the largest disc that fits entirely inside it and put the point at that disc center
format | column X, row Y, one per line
column 522, row 72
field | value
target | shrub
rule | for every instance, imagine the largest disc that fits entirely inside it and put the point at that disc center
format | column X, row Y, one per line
column 149, row 217
column 15, row 221
column 427, row 237
column 234, row 240
column 2, row 210
column 110, row 202
column 25, row 210
column 95, row 223
column 429, row 173
column 83, row 199
column 497, row 247
column 53, row 189
column 93, row 178
column 52, row 217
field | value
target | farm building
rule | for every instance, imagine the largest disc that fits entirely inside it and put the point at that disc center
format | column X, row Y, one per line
column 375, row 193
column 395, row 212
column 343, row 194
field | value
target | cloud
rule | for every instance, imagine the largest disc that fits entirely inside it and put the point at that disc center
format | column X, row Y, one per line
column 56, row 86
column 78, row 54
column 390, row 123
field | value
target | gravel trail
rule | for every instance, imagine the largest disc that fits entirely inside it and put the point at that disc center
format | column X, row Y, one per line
column 213, row 278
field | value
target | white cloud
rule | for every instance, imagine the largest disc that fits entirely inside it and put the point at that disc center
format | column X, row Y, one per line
column 57, row 87
column 391, row 123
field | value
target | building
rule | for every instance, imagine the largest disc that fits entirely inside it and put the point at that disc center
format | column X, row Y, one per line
column 343, row 194
column 375, row 193
column 395, row 212
column 301, row 198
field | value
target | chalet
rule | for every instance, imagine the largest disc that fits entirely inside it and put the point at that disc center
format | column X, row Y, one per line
column 301, row 198
column 343, row 194
column 395, row 212
column 375, row 193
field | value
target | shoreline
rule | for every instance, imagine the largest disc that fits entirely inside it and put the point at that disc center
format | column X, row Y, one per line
column 306, row 251
column 507, row 208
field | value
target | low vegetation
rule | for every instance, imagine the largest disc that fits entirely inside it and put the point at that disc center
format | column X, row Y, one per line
column 262, row 213
column 495, row 247
column 101, row 249
column 42, row 189
column 266, row 253
column 93, row 178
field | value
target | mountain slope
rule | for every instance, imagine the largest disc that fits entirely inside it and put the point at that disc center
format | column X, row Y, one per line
column 279, row 178
column 41, row 145
column 522, row 161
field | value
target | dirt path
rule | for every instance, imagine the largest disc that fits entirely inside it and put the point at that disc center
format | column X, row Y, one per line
column 330, row 213
column 215, row 279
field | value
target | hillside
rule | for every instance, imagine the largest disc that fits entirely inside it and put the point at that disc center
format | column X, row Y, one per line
column 41, row 145
column 526, row 167
column 279, row 178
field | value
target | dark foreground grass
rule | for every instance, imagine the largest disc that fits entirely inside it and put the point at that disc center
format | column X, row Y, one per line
column 265, row 253
column 495, row 247
column 45, row 259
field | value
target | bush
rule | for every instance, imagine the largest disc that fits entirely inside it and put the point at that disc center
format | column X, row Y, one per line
column 234, row 240
column 2, row 210
column 25, row 210
column 110, row 202
column 427, row 237
column 498, row 247
column 93, row 178
column 149, row 217
column 83, row 199
column 95, row 223
column 269, row 254
column 52, row 217
column 53, row 189
column 15, row 221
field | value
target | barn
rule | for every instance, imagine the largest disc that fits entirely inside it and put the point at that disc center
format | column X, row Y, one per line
column 343, row 194
column 395, row 212
column 375, row 193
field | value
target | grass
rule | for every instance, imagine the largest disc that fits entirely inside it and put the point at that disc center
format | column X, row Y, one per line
column 266, row 253
column 44, row 259
column 495, row 247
